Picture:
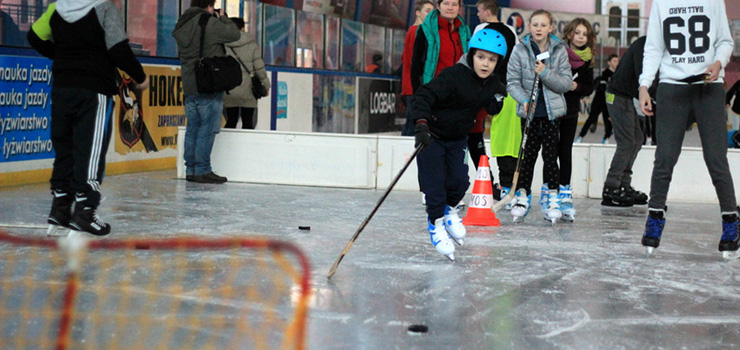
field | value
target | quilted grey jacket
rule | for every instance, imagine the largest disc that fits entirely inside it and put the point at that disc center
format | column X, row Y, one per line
column 555, row 79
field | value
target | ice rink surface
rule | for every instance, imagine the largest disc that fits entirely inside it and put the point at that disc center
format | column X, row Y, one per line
column 582, row 285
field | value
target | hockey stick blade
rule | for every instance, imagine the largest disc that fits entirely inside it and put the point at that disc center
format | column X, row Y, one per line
column 500, row 204
column 333, row 269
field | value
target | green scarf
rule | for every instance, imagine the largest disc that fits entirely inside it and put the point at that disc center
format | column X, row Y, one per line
column 584, row 54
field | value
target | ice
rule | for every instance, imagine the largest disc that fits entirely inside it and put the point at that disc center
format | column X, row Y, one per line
column 580, row 285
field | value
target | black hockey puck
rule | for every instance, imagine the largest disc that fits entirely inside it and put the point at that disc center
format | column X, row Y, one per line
column 418, row 328
column 304, row 228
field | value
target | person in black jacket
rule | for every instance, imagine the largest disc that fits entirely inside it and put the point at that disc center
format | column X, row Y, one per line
column 732, row 93
column 598, row 104
column 444, row 111
column 87, row 42
column 620, row 92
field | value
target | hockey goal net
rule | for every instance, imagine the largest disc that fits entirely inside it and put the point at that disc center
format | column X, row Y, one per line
column 179, row 293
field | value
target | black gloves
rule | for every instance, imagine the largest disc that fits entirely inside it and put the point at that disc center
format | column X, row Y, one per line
column 422, row 134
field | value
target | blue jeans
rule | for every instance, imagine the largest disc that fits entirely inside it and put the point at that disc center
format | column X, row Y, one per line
column 203, row 112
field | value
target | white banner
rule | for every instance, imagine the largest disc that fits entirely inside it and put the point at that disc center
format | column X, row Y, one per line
column 519, row 19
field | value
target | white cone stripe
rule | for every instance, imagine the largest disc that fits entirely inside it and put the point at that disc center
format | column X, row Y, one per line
column 484, row 173
column 97, row 143
column 484, row 201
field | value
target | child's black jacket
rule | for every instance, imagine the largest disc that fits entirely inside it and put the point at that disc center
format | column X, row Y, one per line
column 451, row 101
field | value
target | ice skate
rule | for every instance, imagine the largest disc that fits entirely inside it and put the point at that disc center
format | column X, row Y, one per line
column 653, row 229
column 639, row 197
column 454, row 226
column 553, row 212
column 61, row 213
column 440, row 239
column 85, row 219
column 460, row 206
column 730, row 241
column 520, row 209
column 566, row 203
column 504, row 192
column 616, row 196
column 543, row 197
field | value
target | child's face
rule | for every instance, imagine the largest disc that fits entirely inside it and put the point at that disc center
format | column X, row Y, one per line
column 484, row 63
column 579, row 36
column 613, row 63
column 540, row 27
column 448, row 9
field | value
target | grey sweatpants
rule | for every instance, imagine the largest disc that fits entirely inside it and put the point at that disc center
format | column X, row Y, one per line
column 629, row 137
column 676, row 105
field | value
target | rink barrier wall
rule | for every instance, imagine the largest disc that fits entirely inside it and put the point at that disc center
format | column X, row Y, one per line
column 371, row 162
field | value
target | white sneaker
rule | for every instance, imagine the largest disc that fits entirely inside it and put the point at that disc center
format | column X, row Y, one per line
column 440, row 239
column 454, row 225
column 521, row 206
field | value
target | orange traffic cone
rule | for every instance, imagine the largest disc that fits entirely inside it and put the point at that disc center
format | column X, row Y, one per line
column 479, row 209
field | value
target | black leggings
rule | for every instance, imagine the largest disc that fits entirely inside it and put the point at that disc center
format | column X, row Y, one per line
column 568, row 128
column 249, row 119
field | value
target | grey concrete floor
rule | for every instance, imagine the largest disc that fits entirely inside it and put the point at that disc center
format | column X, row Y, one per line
column 585, row 285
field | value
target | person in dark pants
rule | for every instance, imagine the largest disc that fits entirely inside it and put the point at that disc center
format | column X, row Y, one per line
column 628, row 133
column 444, row 112
column 598, row 104
column 241, row 102
column 87, row 43
column 689, row 90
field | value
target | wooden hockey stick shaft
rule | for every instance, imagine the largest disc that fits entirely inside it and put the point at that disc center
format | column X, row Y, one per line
column 333, row 269
column 530, row 115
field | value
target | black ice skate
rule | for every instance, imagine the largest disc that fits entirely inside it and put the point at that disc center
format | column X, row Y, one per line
column 639, row 197
column 616, row 197
column 730, row 241
column 61, row 213
column 86, row 220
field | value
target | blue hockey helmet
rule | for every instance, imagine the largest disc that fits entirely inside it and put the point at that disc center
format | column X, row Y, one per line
column 489, row 40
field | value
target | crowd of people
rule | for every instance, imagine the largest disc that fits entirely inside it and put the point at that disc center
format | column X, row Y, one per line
column 452, row 79
column 533, row 90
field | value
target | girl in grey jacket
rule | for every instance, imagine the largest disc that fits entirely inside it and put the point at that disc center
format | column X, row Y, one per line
column 555, row 80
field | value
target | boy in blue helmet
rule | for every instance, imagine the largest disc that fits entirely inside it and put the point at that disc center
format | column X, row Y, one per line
column 444, row 111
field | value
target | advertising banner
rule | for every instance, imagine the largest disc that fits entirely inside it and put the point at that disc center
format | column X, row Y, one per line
column 147, row 121
column 25, row 108
column 377, row 105
column 519, row 19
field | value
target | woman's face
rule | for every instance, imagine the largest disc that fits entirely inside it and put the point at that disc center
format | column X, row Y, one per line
column 448, row 9
column 540, row 27
column 579, row 36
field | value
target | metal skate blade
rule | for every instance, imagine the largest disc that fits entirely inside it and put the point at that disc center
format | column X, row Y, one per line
column 648, row 251
column 451, row 257
column 57, row 231
column 459, row 242
column 553, row 221
column 731, row 255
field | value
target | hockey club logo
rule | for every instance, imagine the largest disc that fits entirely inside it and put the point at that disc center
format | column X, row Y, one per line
column 517, row 21
column 131, row 125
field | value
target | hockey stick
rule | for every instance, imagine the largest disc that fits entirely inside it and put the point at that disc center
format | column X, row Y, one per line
column 530, row 115
column 367, row 219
